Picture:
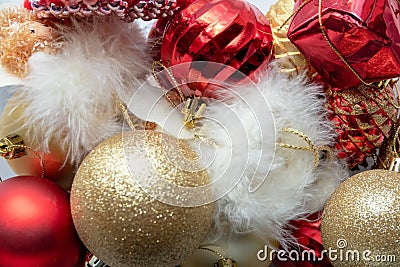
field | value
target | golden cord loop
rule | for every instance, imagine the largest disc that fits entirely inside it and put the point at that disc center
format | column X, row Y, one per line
column 311, row 146
column 294, row 14
column 213, row 251
column 154, row 71
column 7, row 149
column 390, row 147
column 223, row 262
column 134, row 122
column 122, row 107
column 156, row 43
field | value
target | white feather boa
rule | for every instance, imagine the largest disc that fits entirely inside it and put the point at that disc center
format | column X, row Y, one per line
column 69, row 97
column 294, row 188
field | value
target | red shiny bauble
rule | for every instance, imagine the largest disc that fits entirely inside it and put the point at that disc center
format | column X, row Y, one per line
column 36, row 228
column 230, row 32
column 362, row 117
column 158, row 29
column 365, row 32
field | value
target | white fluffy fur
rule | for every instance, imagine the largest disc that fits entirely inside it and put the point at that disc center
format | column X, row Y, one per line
column 7, row 79
column 294, row 188
column 70, row 96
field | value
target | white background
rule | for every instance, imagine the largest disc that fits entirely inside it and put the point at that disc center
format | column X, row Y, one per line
column 5, row 171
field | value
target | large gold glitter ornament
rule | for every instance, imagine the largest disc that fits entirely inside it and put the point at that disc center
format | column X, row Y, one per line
column 363, row 215
column 290, row 59
column 122, row 224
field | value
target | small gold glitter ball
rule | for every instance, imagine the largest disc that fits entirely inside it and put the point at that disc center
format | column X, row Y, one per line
column 361, row 220
column 122, row 224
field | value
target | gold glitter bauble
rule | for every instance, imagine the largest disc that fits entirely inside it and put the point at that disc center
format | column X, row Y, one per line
column 363, row 215
column 123, row 225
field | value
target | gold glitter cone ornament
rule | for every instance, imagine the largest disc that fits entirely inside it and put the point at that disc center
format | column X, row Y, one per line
column 363, row 214
column 123, row 225
column 290, row 59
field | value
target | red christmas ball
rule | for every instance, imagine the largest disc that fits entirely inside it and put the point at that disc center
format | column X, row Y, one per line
column 158, row 29
column 36, row 226
column 230, row 32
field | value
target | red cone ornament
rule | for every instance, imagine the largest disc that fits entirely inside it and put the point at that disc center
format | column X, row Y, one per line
column 365, row 32
column 230, row 32
column 363, row 117
column 36, row 226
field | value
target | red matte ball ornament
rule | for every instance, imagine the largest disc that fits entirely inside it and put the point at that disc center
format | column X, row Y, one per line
column 36, row 226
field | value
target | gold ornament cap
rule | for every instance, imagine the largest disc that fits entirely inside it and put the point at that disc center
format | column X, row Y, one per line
column 12, row 147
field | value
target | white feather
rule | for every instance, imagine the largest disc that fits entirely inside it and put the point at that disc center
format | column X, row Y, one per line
column 7, row 79
column 70, row 96
column 293, row 188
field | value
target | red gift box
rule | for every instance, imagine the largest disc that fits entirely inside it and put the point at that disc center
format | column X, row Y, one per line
column 365, row 33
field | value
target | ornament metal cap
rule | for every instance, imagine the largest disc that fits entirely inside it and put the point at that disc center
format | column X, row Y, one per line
column 12, row 147
column 394, row 164
column 93, row 261
column 226, row 263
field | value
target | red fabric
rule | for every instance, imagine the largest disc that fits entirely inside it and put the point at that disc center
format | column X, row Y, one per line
column 308, row 234
column 366, row 32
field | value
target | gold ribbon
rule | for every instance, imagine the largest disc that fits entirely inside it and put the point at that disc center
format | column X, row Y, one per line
column 154, row 71
column 311, row 146
column 389, row 157
column 223, row 261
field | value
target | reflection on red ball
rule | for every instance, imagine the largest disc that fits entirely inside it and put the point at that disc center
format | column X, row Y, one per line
column 36, row 228
column 230, row 32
